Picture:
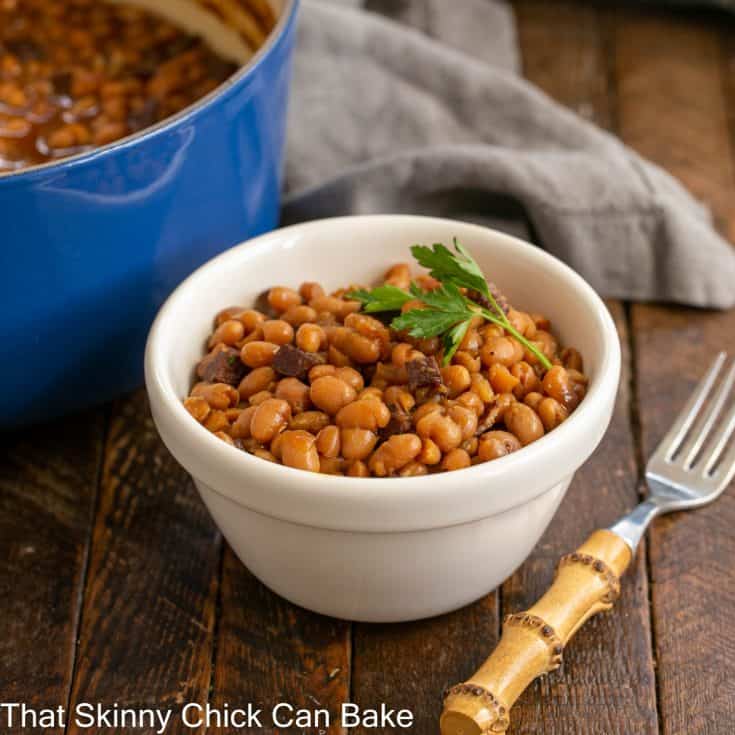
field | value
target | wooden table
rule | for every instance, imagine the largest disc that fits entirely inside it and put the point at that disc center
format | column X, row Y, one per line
column 115, row 586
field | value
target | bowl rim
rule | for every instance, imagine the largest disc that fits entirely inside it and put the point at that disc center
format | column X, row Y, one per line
column 200, row 106
column 383, row 504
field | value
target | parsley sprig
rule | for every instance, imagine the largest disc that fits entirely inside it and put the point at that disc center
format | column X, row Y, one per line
column 446, row 311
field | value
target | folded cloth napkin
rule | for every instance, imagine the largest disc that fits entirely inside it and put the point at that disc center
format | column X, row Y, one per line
column 424, row 112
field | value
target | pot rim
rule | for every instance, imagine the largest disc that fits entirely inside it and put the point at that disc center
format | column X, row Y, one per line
column 384, row 504
column 280, row 30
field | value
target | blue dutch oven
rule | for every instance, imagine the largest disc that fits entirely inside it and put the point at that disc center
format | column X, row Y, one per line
column 92, row 245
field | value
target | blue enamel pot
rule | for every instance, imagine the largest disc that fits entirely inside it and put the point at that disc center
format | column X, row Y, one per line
column 91, row 246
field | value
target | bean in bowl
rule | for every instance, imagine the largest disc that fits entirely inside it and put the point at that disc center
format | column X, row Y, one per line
column 411, row 377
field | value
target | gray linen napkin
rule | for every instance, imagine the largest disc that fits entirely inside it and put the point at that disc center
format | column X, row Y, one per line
column 426, row 114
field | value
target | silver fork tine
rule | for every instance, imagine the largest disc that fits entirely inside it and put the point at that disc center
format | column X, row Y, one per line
column 693, row 445
column 675, row 435
column 723, row 435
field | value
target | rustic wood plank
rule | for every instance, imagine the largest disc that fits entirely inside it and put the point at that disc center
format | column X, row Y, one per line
column 48, row 481
column 607, row 680
column 672, row 109
column 409, row 665
column 149, row 610
column 269, row 651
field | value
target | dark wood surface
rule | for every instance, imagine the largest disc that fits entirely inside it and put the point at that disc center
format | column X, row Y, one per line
column 115, row 586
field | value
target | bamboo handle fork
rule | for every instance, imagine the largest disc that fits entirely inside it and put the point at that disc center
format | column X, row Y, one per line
column 691, row 467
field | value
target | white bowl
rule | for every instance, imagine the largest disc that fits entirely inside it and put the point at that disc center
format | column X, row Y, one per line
column 367, row 548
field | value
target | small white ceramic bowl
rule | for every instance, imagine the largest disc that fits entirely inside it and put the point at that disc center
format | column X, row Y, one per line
column 367, row 548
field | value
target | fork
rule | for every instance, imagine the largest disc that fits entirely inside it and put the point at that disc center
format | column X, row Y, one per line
column 690, row 468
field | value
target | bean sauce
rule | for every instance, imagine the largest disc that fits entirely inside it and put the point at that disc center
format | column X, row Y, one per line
column 78, row 74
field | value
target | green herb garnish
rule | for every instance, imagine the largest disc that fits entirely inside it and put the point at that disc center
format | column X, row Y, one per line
column 447, row 312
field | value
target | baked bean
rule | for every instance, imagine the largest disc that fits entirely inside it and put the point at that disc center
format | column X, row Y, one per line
column 298, row 449
column 295, row 393
column 496, row 444
column 557, row 384
column 310, row 290
column 258, row 353
column 465, row 418
column 217, row 395
column 370, row 393
column 413, row 469
column 546, row 342
column 551, row 413
column 197, row 407
column 298, row 315
column 501, row 351
column 430, row 453
column 229, row 333
column 241, row 427
column 533, row 399
column 357, row 443
column 257, row 398
column 358, row 468
column 471, row 362
column 251, row 320
column 501, row 379
column 470, row 445
column 522, row 322
column 319, row 371
column 456, row 378
column 328, row 441
column 350, row 376
column 281, row 299
column 399, row 276
column 541, row 321
column 277, row 331
column 337, row 357
column 571, row 359
column 528, row 381
column 398, row 397
column 329, row 304
column 457, row 459
column 216, row 421
column 481, row 385
column 524, row 422
column 313, row 421
column 310, row 338
column 330, row 394
column 258, row 379
column 472, row 401
column 403, row 352
column 367, row 326
column 270, row 418
column 424, row 410
column 364, row 414
column 363, row 350
column 441, row 429
column 331, row 465
column 394, row 453
column 471, row 342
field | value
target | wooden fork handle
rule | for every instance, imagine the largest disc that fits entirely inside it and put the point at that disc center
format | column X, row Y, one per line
column 587, row 582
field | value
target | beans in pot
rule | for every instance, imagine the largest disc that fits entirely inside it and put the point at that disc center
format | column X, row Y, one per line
column 328, row 388
column 79, row 74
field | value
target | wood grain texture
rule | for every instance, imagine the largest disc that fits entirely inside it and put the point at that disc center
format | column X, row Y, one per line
column 606, row 684
column 269, row 651
column 48, row 480
column 410, row 665
column 149, row 610
column 672, row 109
